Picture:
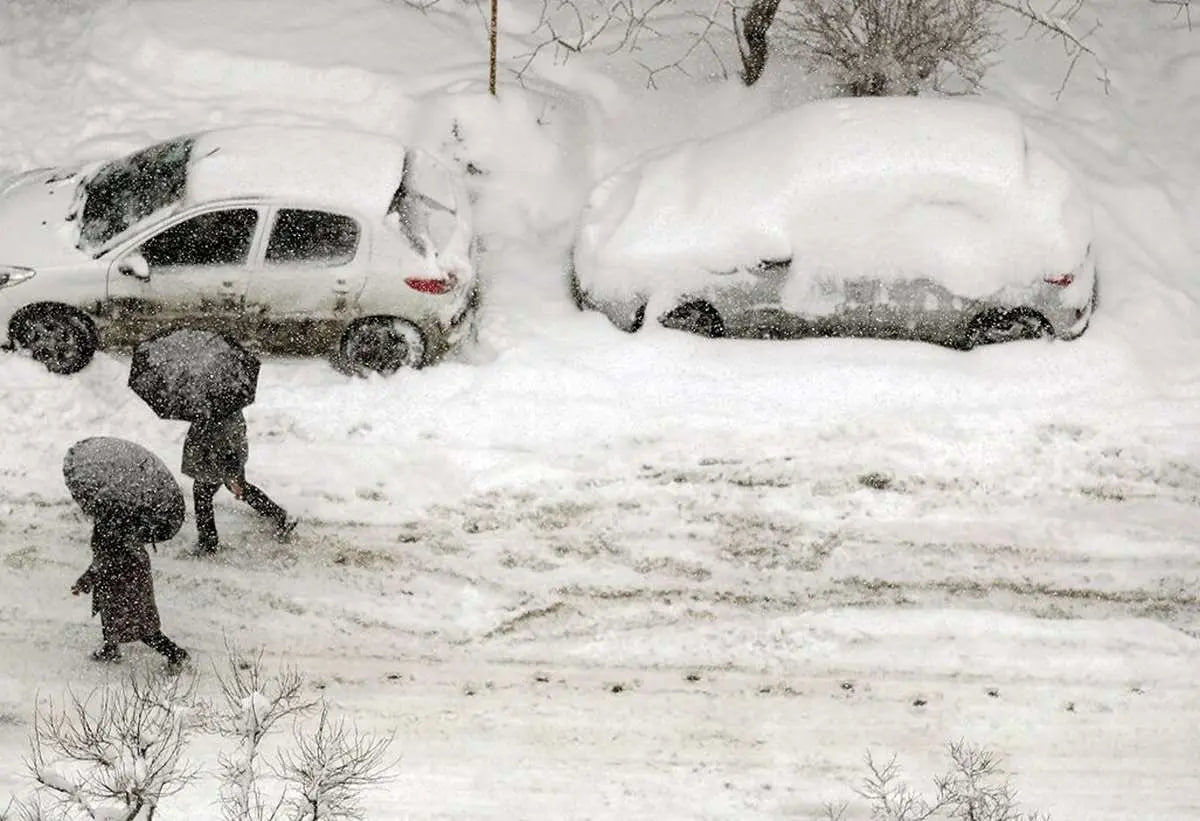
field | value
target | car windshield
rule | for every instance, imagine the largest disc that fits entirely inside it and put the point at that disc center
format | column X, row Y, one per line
column 124, row 192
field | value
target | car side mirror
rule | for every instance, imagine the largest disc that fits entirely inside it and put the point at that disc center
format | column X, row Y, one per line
column 135, row 266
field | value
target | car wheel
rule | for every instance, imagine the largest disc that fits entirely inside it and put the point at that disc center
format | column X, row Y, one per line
column 383, row 345
column 695, row 317
column 1005, row 325
column 63, row 340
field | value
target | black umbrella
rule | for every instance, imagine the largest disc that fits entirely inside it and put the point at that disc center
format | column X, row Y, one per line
column 193, row 375
column 120, row 479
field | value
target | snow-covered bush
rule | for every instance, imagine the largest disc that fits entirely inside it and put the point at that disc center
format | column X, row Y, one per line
column 115, row 753
column 319, row 777
column 118, row 752
column 878, row 47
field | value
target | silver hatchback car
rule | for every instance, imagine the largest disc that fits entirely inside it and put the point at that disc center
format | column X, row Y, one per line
column 940, row 220
column 303, row 240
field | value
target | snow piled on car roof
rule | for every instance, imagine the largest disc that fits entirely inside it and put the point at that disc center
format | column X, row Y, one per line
column 888, row 188
column 320, row 166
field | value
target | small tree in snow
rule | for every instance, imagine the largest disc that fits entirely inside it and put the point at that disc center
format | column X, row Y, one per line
column 115, row 753
column 254, row 702
column 318, row 778
column 973, row 789
column 329, row 767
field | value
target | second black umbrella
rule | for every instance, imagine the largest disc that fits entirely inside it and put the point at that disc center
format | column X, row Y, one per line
column 193, row 375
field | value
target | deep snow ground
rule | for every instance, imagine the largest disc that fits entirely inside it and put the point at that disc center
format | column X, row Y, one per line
column 736, row 565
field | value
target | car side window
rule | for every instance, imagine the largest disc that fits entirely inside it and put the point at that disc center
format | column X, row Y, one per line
column 313, row 237
column 212, row 238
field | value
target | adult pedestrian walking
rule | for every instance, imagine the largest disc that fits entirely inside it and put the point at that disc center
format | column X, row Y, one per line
column 123, row 592
column 206, row 379
column 134, row 500
column 214, row 454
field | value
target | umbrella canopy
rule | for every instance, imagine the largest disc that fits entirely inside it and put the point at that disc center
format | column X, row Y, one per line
column 193, row 375
column 121, row 479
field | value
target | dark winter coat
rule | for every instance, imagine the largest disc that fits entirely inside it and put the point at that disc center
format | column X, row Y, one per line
column 217, row 449
column 121, row 585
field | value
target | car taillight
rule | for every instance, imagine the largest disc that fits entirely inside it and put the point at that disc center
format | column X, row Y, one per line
column 429, row 285
column 1062, row 280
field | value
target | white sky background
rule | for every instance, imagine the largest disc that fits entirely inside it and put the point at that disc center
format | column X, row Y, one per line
column 564, row 499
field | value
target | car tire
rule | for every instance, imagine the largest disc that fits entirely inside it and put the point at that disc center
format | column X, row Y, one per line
column 60, row 338
column 695, row 317
column 383, row 345
column 997, row 325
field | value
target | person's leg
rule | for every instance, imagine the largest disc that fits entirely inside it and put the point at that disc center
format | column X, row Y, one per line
column 104, row 602
column 206, row 523
column 173, row 653
column 262, row 503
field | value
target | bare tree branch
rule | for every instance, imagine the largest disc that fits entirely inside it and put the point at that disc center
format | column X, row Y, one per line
column 569, row 27
column 1055, row 21
column 1183, row 7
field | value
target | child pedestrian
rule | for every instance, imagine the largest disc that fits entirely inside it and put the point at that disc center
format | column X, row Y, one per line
column 214, row 454
column 123, row 593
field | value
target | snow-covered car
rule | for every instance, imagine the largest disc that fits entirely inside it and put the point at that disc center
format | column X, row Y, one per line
column 943, row 220
column 301, row 240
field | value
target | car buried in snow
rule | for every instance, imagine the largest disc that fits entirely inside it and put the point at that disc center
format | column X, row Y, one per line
column 295, row 240
column 941, row 220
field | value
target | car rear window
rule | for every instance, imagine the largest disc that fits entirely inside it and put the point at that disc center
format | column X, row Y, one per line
column 425, row 203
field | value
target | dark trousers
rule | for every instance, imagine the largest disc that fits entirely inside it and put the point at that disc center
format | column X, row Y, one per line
column 164, row 645
column 203, row 492
column 111, row 651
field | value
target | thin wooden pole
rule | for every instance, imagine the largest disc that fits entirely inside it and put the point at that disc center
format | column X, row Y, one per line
column 492, row 58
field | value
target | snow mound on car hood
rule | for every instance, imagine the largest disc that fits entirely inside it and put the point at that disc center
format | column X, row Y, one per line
column 891, row 188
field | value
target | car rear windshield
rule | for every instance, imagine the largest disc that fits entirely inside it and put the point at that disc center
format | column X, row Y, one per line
column 124, row 192
column 424, row 203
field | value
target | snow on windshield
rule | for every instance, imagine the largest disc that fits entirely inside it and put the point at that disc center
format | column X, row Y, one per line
column 124, row 192
column 888, row 188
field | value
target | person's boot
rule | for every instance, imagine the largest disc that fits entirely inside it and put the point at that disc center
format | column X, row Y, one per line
column 206, row 546
column 175, row 655
column 177, row 659
column 108, row 654
column 285, row 526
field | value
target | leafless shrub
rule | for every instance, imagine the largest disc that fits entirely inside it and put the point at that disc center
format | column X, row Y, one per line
column 875, row 47
column 117, row 751
column 878, row 47
column 318, row 778
column 972, row 789
column 253, row 702
column 329, row 767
